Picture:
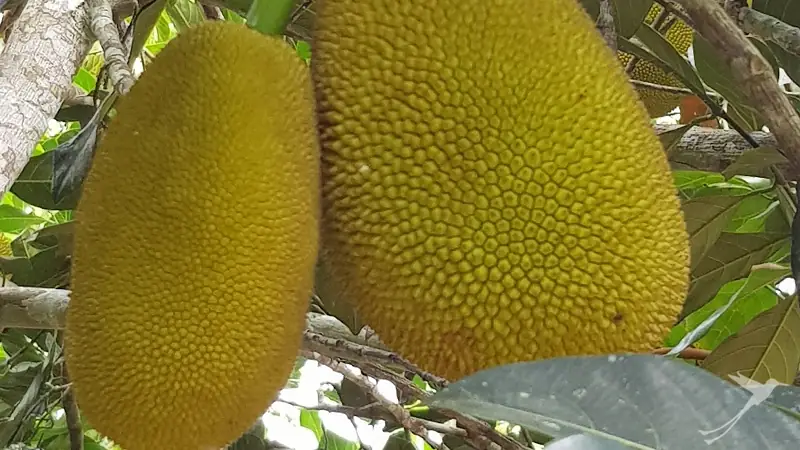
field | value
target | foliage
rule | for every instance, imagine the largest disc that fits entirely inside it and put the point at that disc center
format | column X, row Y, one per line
column 740, row 313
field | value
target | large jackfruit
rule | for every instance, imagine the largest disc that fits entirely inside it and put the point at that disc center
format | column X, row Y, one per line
column 660, row 102
column 486, row 200
column 195, row 242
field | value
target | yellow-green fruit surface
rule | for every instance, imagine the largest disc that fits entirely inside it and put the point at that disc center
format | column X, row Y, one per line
column 195, row 242
column 487, row 201
column 659, row 102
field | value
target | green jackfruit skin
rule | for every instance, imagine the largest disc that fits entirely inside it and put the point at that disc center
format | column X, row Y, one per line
column 658, row 102
column 195, row 242
column 486, row 202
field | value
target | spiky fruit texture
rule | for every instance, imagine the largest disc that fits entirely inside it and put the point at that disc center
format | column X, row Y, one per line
column 659, row 102
column 487, row 200
column 195, row 243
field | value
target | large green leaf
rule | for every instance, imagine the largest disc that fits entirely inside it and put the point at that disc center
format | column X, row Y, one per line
column 785, row 10
column 642, row 401
column 706, row 218
column 768, row 347
column 629, row 15
column 730, row 258
column 753, row 296
column 184, row 13
column 35, row 184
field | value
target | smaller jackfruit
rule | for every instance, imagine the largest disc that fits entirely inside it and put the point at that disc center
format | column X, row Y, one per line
column 195, row 243
column 658, row 102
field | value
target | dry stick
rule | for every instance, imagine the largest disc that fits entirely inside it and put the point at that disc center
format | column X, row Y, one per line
column 316, row 340
column 605, row 24
column 116, row 56
column 72, row 416
column 375, row 411
column 752, row 73
column 400, row 414
column 771, row 29
column 659, row 87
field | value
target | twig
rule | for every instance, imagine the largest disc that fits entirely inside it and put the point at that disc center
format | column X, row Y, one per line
column 689, row 353
column 116, row 56
column 660, row 87
column 375, row 411
column 605, row 24
column 314, row 340
column 751, row 72
column 771, row 29
column 400, row 414
column 676, row 11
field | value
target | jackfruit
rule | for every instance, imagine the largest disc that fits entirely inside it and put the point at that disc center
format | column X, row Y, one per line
column 659, row 102
column 484, row 200
column 195, row 242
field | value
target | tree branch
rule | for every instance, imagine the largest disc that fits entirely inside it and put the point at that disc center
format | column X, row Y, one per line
column 752, row 73
column 46, row 45
column 116, row 55
column 605, row 24
column 770, row 28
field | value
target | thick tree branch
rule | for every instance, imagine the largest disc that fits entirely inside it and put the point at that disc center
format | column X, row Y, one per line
column 770, row 28
column 45, row 47
column 752, row 72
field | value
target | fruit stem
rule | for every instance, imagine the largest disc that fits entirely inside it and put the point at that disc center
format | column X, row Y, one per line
column 270, row 17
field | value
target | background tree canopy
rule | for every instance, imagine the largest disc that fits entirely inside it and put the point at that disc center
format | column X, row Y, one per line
column 733, row 163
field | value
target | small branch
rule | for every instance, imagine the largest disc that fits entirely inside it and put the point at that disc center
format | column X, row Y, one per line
column 315, row 341
column 689, row 353
column 659, row 87
column 400, row 414
column 114, row 51
column 770, row 28
column 605, row 24
column 72, row 416
column 752, row 73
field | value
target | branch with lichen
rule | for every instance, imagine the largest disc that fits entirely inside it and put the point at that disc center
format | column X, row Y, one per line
column 605, row 24
column 771, row 29
column 101, row 22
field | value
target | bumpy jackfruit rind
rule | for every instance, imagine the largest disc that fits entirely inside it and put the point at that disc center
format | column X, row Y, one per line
column 195, row 243
column 658, row 102
column 486, row 202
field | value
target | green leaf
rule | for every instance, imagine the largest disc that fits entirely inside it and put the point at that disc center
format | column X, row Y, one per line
column 143, row 23
column 399, row 440
column 632, row 399
column 71, row 161
column 303, row 49
column 670, row 138
column 14, row 220
column 310, row 420
column 706, row 218
column 332, row 301
column 785, row 10
column 731, row 257
column 767, row 347
column 34, row 184
column 664, row 55
column 755, row 162
column 84, row 80
column 184, row 13
column 788, row 61
column 752, row 214
column 629, row 15
column 754, row 296
column 270, row 17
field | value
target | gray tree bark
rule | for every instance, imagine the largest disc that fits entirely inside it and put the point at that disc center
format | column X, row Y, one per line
column 46, row 46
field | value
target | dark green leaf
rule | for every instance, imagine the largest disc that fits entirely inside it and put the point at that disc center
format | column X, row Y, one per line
column 77, row 113
column 785, row 10
column 670, row 138
column 788, row 61
column 270, row 17
column 592, row 7
column 143, row 23
column 730, row 258
column 755, row 162
column 752, row 214
column 766, row 348
column 34, row 184
column 352, row 395
column 332, row 301
column 629, row 15
column 641, row 399
column 663, row 54
column 399, row 440
column 72, row 160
